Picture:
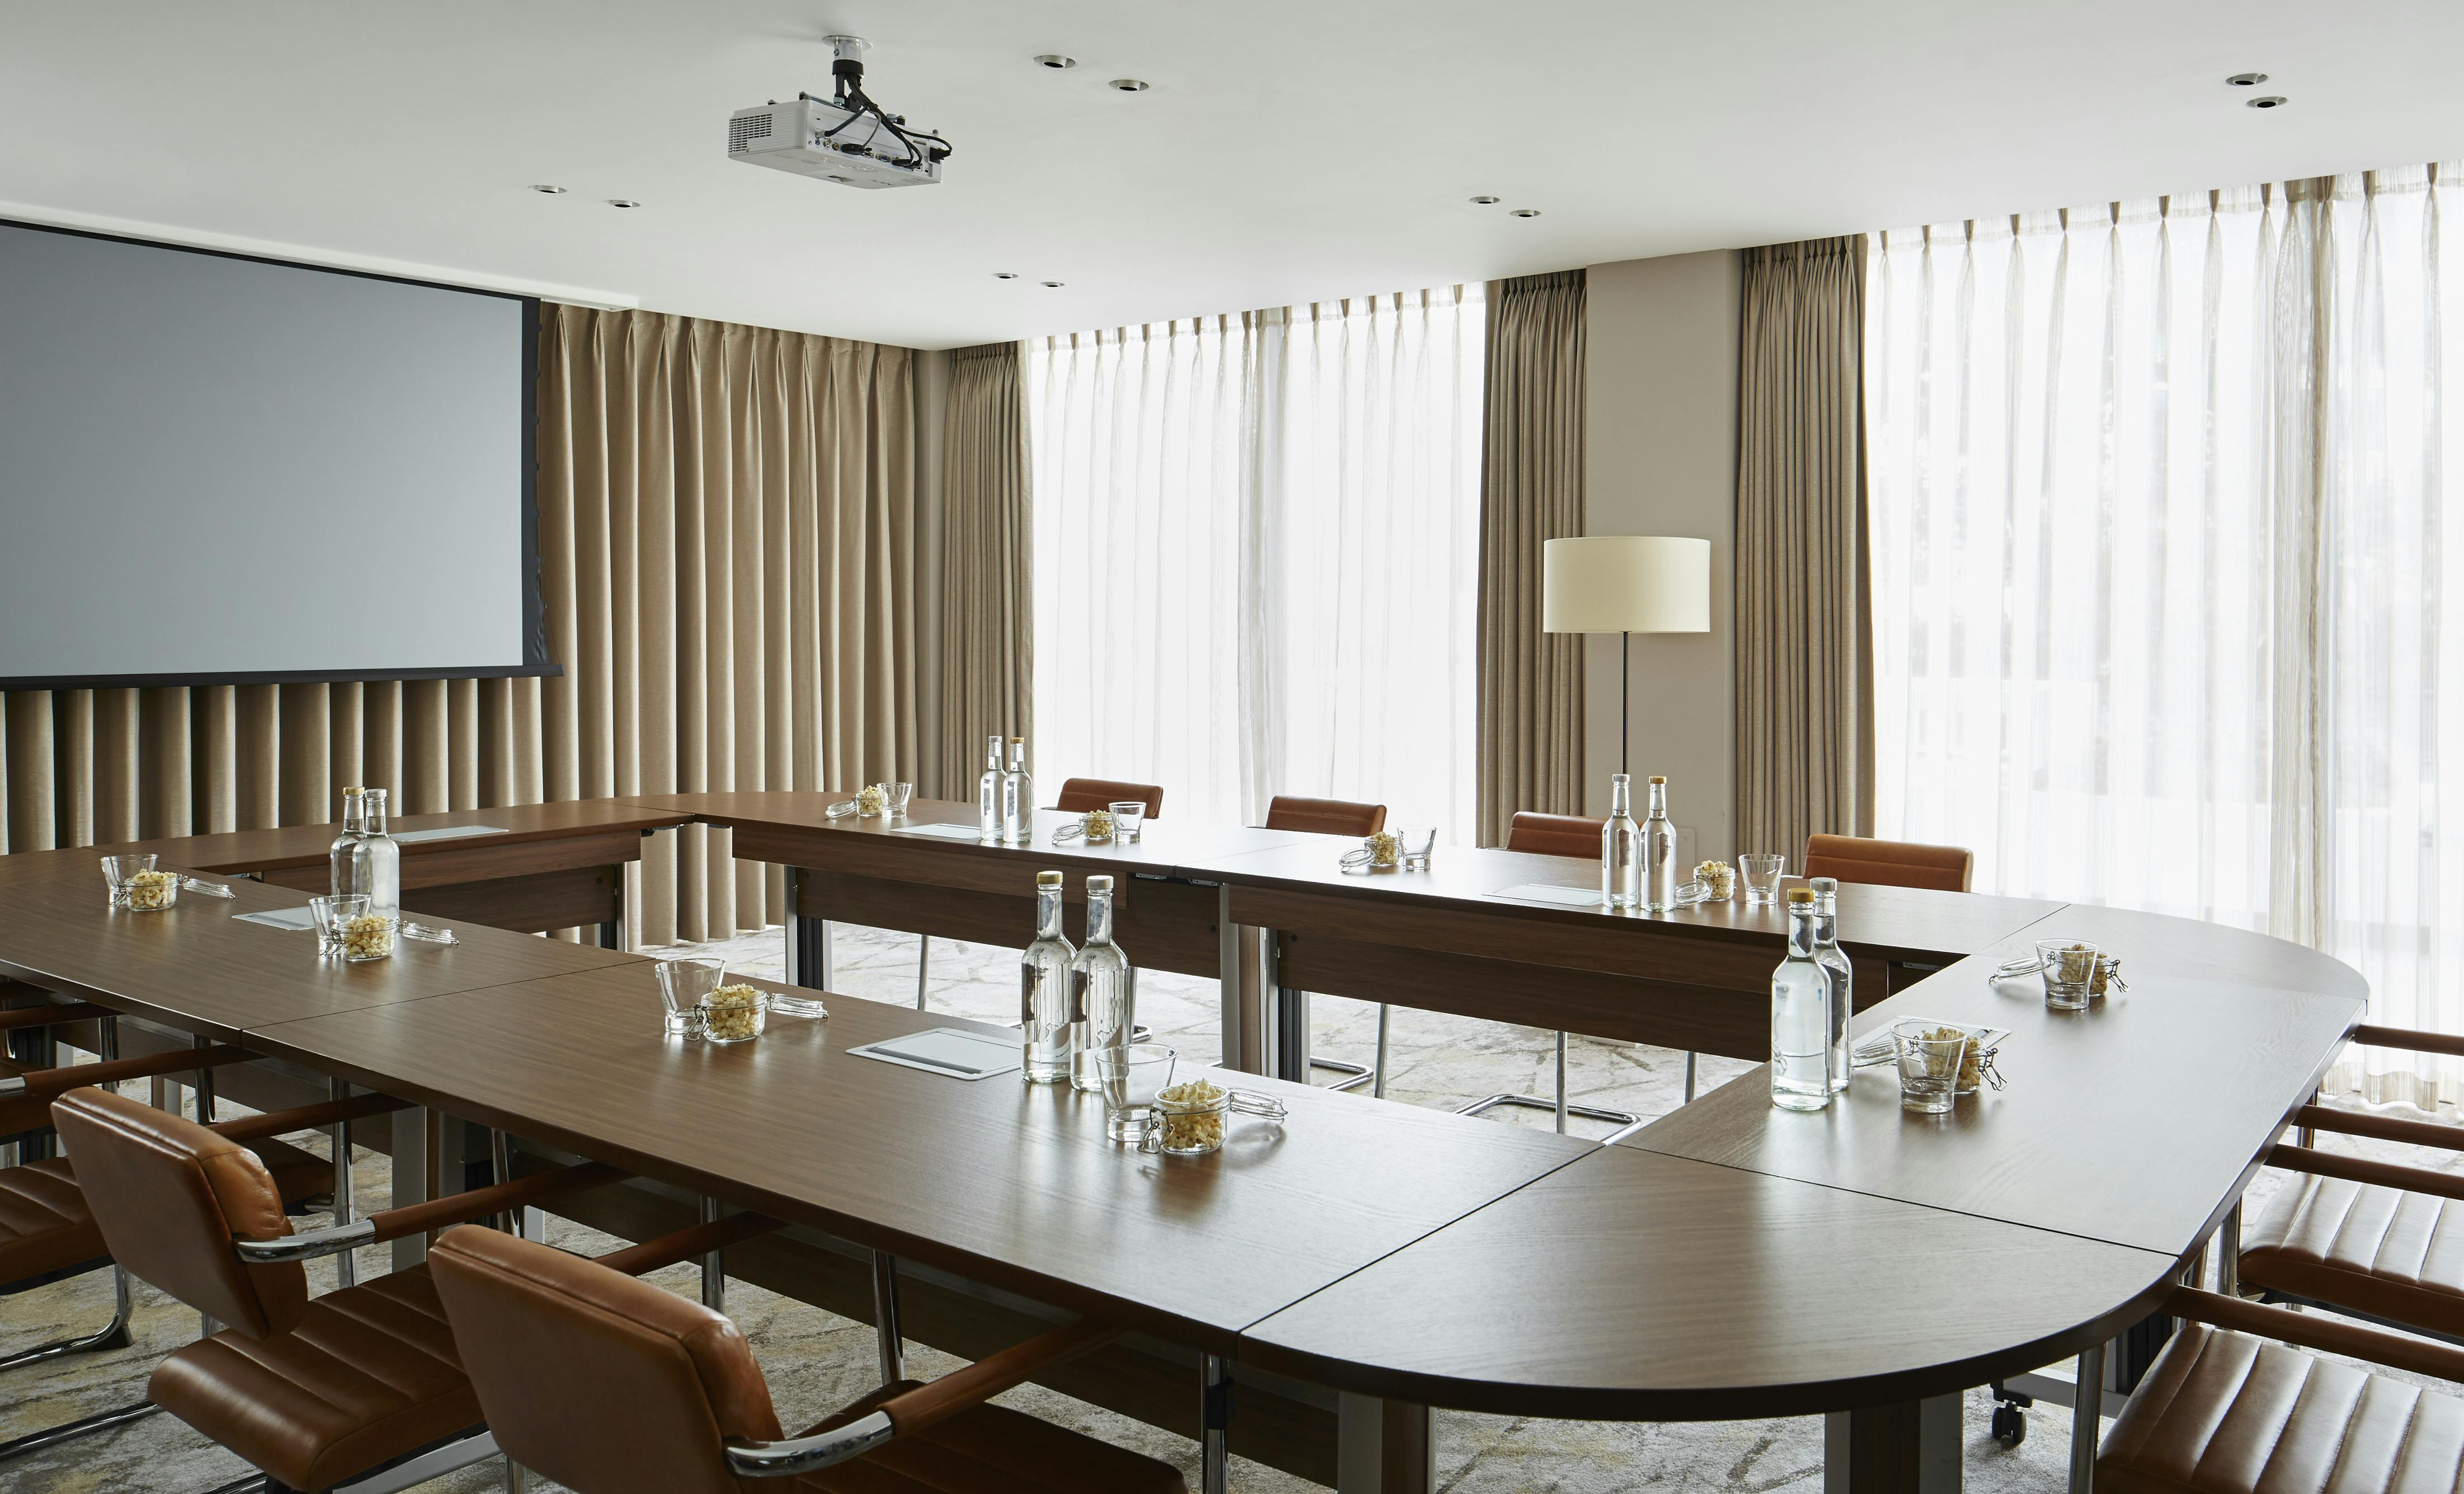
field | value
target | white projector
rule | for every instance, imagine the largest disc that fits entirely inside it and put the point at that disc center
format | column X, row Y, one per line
column 847, row 138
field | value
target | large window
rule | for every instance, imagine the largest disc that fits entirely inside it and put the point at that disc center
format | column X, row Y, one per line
column 2162, row 509
column 1255, row 553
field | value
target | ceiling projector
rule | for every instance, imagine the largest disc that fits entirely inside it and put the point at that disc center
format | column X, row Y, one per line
column 846, row 138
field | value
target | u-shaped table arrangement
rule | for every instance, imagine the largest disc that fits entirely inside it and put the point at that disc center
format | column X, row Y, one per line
column 1304, row 1296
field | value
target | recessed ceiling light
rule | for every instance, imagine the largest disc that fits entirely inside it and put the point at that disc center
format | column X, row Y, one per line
column 1525, row 213
column 2247, row 79
column 2271, row 102
column 543, row 187
column 1127, row 85
column 1055, row 60
column 1486, row 200
column 1054, row 285
column 1005, row 275
column 622, row 202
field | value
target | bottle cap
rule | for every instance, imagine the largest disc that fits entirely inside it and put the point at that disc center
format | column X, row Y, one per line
column 1099, row 883
column 1796, row 895
column 1048, row 879
column 1823, row 884
column 1656, row 778
column 1018, row 742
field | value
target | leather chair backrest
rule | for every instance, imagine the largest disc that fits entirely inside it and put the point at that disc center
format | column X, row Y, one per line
column 1325, row 817
column 1078, row 795
column 170, row 1197
column 1555, row 835
column 603, row 1383
column 1890, row 863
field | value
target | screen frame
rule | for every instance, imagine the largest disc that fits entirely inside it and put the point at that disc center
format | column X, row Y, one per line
column 536, row 664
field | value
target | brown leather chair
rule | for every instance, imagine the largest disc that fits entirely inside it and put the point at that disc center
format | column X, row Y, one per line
column 1890, row 863
column 1078, row 795
column 2223, row 1411
column 1338, row 817
column 611, row 1386
column 314, row 1393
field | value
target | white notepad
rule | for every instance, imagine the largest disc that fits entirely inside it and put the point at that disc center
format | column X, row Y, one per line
column 280, row 918
column 952, row 1052
column 1551, row 892
column 945, row 832
column 450, row 831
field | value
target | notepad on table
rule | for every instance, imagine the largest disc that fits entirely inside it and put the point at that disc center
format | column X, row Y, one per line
column 954, row 1052
column 449, row 832
column 945, row 832
column 1551, row 892
column 280, row 918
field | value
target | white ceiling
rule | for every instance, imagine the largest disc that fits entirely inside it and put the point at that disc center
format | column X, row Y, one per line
column 1287, row 152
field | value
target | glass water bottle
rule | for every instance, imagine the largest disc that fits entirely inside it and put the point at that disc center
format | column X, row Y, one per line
column 1620, row 848
column 353, row 826
column 1800, row 1061
column 1844, row 978
column 1658, row 852
column 1103, row 990
column 1017, row 797
column 988, row 791
column 1044, row 1007
column 376, row 861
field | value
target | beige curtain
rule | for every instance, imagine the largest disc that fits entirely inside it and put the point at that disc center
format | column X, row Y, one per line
column 987, row 564
column 1805, row 675
column 727, row 552
column 1531, row 491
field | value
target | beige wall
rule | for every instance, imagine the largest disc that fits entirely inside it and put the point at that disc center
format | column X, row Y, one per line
column 1661, row 416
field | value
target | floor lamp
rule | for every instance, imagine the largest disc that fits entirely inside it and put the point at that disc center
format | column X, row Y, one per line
column 1624, row 584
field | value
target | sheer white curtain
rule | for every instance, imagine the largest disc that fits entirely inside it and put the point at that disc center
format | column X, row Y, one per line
column 2159, row 518
column 1256, row 540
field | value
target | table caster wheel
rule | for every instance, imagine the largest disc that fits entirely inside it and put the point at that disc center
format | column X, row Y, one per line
column 2009, row 1425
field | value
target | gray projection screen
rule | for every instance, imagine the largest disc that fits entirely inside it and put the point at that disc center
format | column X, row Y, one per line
column 223, row 469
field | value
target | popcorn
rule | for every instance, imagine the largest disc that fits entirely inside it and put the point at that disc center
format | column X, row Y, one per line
column 367, row 937
column 1971, row 1059
column 869, row 801
column 1193, row 1116
column 1719, row 879
column 1098, row 826
column 147, row 891
column 1385, row 848
column 733, row 1014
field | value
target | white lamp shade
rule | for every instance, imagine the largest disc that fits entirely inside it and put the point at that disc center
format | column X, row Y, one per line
column 1625, row 582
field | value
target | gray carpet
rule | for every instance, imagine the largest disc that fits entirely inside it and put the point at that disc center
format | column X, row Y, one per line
column 817, row 1361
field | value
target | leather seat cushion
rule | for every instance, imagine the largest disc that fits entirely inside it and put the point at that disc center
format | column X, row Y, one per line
column 2381, row 1251
column 2223, row 1413
column 46, row 1229
column 985, row 1450
column 370, row 1373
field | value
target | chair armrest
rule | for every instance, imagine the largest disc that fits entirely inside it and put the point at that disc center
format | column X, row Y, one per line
column 2380, row 1128
column 19, row 1017
column 912, row 1411
column 700, row 1239
column 2361, row 1170
column 51, row 1084
column 419, row 1217
column 2413, row 1037
column 2319, row 1331
column 306, row 1118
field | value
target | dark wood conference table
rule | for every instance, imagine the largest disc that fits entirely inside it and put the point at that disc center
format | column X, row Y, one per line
column 1728, row 1261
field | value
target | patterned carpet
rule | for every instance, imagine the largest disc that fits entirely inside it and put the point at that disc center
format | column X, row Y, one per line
column 817, row 1361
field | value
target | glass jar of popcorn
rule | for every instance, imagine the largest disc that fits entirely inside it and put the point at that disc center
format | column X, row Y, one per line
column 1190, row 1116
column 734, row 1014
column 137, row 886
column 367, row 937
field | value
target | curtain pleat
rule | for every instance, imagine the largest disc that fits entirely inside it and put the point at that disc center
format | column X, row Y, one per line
column 987, row 564
column 726, row 528
column 1805, row 676
column 1530, row 682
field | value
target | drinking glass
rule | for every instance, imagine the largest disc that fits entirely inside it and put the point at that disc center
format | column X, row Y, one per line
column 119, row 870
column 683, row 984
column 1930, row 1065
column 1132, row 1077
column 1762, row 871
column 2069, row 969
column 329, row 915
column 1417, row 843
column 1129, row 815
column 901, row 794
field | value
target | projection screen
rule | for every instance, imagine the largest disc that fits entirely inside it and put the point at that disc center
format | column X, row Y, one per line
column 215, row 468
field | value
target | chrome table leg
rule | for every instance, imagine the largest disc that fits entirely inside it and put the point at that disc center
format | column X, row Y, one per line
column 1214, row 1424
column 891, row 1342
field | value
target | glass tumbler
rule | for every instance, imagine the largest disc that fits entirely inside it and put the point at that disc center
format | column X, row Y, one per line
column 329, row 914
column 1761, row 871
column 1930, row 1065
column 901, row 794
column 1132, row 1077
column 1128, row 817
column 2070, row 971
column 1417, row 843
column 683, row 986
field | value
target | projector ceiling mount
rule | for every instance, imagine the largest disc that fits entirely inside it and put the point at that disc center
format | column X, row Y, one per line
column 846, row 138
